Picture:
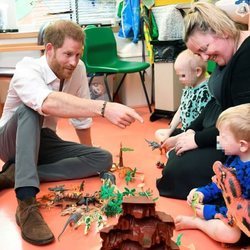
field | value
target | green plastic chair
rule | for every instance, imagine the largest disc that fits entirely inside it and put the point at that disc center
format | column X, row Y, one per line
column 100, row 57
column 211, row 65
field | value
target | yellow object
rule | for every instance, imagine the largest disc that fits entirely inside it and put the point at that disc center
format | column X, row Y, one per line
column 166, row 2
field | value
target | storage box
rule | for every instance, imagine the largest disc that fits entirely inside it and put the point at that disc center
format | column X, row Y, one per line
column 168, row 90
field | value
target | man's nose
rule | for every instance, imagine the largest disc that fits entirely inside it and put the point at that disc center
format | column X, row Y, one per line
column 74, row 60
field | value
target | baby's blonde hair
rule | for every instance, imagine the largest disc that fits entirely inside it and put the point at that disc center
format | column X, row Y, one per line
column 191, row 60
column 206, row 17
column 237, row 118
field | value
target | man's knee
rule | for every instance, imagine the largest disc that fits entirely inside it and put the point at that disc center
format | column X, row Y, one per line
column 106, row 160
column 25, row 111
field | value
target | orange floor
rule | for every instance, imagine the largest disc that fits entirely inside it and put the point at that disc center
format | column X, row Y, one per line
column 143, row 158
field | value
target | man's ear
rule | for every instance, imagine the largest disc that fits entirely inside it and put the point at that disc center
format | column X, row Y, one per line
column 244, row 146
column 48, row 48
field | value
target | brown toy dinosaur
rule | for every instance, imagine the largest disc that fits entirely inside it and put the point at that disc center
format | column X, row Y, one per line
column 238, row 207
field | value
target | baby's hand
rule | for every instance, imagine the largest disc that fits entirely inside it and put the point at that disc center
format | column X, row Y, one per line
column 194, row 197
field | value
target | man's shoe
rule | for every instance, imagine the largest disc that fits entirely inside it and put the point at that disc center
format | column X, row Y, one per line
column 33, row 227
column 7, row 176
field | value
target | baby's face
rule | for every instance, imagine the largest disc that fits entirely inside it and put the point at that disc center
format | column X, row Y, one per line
column 186, row 75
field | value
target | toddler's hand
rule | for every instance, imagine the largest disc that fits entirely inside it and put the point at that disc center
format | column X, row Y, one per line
column 194, row 196
column 199, row 210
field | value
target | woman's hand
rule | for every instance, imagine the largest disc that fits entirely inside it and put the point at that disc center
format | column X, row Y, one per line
column 170, row 142
column 185, row 142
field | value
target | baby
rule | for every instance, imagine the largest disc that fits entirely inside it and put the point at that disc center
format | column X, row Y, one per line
column 191, row 70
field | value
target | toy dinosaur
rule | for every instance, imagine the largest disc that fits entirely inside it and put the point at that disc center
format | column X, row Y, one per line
column 71, row 220
column 194, row 202
column 160, row 164
column 104, row 175
column 154, row 145
column 59, row 188
column 238, row 207
column 89, row 199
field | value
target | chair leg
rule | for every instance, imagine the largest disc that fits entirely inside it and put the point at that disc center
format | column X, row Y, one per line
column 107, row 87
column 91, row 79
column 145, row 90
column 119, row 86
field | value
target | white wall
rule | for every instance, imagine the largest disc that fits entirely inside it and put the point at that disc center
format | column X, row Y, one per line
column 9, row 59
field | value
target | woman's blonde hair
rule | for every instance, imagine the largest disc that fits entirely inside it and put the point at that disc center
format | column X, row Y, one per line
column 237, row 118
column 56, row 33
column 206, row 17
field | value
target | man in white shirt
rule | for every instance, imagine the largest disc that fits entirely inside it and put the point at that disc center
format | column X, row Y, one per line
column 41, row 91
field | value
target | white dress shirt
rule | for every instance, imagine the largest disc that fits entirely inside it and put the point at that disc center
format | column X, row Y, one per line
column 33, row 81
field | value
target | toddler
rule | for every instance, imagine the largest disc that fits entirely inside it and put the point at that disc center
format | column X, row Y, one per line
column 234, row 138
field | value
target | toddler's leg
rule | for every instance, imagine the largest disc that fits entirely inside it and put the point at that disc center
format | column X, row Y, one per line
column 216, row 229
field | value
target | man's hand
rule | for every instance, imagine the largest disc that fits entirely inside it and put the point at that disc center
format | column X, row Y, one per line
column 121, row 115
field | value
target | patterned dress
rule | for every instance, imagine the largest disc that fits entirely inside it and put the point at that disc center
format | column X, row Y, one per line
column 193, row 100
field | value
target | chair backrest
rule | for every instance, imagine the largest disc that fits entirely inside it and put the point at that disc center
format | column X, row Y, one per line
column 211, row 65
column 99, row 48
column 40, row 38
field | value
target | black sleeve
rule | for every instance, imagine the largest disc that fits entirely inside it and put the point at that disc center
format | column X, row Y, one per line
column 204, row 125
column 236, row 83
column 206, row 137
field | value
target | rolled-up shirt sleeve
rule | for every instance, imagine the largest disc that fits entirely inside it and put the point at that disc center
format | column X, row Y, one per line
column 81, row 123
column 30, row 84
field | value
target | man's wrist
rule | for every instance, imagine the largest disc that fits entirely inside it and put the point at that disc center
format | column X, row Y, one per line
column 103, row 108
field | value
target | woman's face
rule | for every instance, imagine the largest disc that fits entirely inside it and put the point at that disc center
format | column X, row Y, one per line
column 211, row 47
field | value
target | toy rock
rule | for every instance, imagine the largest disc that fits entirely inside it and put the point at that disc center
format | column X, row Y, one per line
column 139, row 227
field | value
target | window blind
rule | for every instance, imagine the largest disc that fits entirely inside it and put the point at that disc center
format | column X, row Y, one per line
column 37, row 12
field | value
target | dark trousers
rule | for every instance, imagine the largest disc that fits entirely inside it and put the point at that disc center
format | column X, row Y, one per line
column 40, row 155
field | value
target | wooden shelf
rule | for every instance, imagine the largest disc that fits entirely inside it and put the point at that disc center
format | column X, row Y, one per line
column 20, row 47
column 18, row 35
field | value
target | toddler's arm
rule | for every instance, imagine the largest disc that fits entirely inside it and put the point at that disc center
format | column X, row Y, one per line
column 163, row 134
column 175, row 121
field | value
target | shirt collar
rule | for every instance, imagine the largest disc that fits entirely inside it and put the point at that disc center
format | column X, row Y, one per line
column 48, row 73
